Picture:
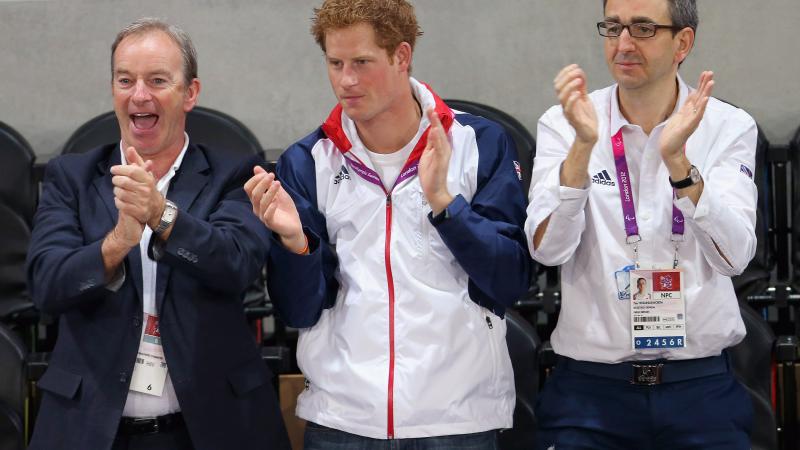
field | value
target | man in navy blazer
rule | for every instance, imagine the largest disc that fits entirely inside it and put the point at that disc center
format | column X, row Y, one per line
column 144, row 249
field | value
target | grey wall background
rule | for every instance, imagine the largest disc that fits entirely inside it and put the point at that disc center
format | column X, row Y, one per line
column 259, row 63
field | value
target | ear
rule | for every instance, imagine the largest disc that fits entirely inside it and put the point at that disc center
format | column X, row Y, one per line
column 190, row 97
column 402, row 56
column 684, row 42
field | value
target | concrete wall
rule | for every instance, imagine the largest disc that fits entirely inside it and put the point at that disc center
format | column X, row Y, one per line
column 259, row 63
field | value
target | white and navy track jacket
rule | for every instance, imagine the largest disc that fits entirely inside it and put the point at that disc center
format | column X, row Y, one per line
column 401, row 323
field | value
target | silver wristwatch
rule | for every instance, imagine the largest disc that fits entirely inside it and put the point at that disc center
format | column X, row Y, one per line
column 169, row 215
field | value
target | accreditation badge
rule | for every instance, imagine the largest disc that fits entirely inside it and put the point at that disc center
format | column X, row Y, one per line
column 150, row 369
column 622, row 277
column 658, row 309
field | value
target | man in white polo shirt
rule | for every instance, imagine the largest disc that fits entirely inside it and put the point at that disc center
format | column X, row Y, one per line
column 647, row 181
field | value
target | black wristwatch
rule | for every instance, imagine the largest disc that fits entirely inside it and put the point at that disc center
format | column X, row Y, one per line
column 692, row 179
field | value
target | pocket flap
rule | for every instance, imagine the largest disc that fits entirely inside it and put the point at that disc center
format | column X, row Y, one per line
column 60, row 382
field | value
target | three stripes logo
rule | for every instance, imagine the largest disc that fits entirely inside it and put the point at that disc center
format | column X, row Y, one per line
column 603, row 178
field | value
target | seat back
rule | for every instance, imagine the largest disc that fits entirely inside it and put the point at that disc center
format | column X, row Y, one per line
column 204, row 126
column 794, row 200
column 522, row 138
column 12, row 432
column 18, row 190
column 13, row 388
column 523, row 348
column 757, row 274
column 751, row 360
column 14, row 238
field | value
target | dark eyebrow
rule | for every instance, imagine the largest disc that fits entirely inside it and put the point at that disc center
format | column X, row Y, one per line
column 640, row 19
column 637, row 19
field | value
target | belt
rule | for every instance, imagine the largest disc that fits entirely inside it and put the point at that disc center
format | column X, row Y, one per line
column 150, row 425
column 649, row 373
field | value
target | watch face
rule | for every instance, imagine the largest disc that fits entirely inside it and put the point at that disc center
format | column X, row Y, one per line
column 694, row 175
column 170, row 212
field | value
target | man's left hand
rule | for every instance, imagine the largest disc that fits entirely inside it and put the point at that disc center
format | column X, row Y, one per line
column 136, row 191
column 682, row 124
column 433, row 165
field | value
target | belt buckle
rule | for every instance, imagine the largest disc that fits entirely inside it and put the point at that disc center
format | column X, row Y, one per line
column 646, row 374
column 148, row 425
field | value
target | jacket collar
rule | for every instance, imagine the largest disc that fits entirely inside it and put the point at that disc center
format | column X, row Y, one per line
column 336, row 125
column 186, row 185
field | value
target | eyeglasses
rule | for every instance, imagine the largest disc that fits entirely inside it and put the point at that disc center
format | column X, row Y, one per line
column 636, row 30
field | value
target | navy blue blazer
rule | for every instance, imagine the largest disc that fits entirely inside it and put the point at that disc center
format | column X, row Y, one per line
column 215, row 250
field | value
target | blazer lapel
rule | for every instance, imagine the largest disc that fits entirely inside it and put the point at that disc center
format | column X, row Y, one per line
column 102, row 183
column 186, row 185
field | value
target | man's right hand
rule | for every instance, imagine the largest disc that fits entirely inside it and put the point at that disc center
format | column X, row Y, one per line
column 276, row 209
column 579, row 111
column 570, row 85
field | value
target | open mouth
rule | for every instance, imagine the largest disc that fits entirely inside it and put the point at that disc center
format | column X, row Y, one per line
column 144, row 121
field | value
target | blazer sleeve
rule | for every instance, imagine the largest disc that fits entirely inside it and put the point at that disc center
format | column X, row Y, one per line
column 63, row 270
column 224, row 251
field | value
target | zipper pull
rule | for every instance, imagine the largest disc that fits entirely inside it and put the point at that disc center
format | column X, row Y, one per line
column 489, row 322
column 388, row 199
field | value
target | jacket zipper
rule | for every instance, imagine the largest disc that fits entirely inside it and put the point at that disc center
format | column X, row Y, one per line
column 390, row 282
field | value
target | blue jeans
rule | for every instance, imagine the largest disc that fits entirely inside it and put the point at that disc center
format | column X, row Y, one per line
column 318, row 437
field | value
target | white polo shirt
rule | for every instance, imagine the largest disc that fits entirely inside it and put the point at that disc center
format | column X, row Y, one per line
column 586, row 234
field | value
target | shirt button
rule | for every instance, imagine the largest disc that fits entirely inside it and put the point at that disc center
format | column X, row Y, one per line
column 136, row 322
column 645, row 216
column 123, row 377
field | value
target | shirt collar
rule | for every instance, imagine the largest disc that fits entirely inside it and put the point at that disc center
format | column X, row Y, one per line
column 175, row 164
column 617, row 120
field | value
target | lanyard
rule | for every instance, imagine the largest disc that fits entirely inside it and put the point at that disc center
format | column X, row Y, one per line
column 628, row 208
column 410, row 169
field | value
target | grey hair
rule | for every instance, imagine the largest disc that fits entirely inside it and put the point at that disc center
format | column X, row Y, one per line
column 150, row 24
column 682, row 13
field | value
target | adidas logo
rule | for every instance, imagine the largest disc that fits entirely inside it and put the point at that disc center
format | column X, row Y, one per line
column 343, row 175
column 603, row 178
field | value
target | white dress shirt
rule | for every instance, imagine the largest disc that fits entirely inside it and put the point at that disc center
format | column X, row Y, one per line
column 586, row 234
column 137, row 403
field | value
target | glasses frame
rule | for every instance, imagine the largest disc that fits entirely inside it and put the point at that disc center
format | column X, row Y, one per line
column 656, row 27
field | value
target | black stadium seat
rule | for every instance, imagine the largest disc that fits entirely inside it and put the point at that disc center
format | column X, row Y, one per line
column 794, row 193
column 204, row 126
column 752, row 364
column 523, row 348
column 757, row 274
column 13, row 390
column 14, row 238
column 523, row 140
column 18, row 190
column 526, row 150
